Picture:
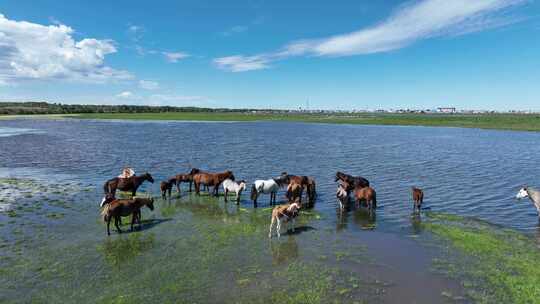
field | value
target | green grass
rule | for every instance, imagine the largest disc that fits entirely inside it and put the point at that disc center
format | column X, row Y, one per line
column 498, row 265
column 528, row 122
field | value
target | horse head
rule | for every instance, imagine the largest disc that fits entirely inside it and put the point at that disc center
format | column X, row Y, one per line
column 109, row 197
column 149, row 177
column 229, row 174
column 338, row 176
column 242, row 184
column 194, row 171
column 522, row 193
column 150, row 203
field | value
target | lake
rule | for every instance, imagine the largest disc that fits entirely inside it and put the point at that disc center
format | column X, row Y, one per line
column 200, row 249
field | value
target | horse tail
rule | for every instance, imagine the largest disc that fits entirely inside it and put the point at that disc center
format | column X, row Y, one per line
column 253, row 195
column 374, row 200
column 105, row 212
column 106, row 187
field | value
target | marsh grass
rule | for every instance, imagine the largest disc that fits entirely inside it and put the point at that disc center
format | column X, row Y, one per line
column 496, row 265
column 523, row 122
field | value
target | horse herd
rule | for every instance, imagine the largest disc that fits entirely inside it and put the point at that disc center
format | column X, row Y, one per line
column 295, row 186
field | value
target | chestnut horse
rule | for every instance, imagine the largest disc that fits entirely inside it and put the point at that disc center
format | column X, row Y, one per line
column 211, row 179
column 418, row 198
column 294, row 192
column 307, row 182
column 353, row 181
column 186, row 178
column 366, row 194
column 126, row 184
column 125, row 207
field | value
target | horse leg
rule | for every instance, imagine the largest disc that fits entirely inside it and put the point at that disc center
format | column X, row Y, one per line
column 216, row 190
column 279, row 228
column 238, row 197
column 197, row 188
column 108, row 225
column 116, row 220
column 133, row 219
column 226, row 193
column 271, row 225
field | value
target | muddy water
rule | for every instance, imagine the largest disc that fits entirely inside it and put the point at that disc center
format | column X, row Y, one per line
column 199, row 249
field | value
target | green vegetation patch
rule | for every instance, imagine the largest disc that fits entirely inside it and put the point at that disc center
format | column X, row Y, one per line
column 497, row 265
column 522, row 122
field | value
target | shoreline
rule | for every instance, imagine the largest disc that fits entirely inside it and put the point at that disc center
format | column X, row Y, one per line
column 510, row 122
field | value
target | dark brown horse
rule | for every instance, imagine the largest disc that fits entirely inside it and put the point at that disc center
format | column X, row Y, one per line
column 166, row 187
column 125, row 207
column 126, row 184
column 211, row 179
column 353, row 181
column 294, row 192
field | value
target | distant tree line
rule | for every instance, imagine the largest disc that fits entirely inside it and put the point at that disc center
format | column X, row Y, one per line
column 19, row 108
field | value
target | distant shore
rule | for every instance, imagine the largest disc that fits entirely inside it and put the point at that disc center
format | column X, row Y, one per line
column 518, row 122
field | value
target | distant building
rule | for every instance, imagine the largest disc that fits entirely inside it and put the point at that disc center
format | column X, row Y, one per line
column 446, row 110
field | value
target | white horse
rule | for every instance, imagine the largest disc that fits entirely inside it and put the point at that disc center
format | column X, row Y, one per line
column 269, row 186
column 532, row 194
column 231, row 186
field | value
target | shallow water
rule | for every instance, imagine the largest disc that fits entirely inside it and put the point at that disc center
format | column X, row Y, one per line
column 199, row 249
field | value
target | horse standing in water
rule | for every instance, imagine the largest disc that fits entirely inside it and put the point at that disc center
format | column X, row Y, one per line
column 126, row 184
column 418, row 198
column 269, row 186
column 236, row 187
column 532, row 194
column 211, row 179
column 125, row 207
column 353, row 181
column 307, row 183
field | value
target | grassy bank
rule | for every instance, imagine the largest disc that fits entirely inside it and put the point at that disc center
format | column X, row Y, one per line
column 497, row 265
column 530, row 122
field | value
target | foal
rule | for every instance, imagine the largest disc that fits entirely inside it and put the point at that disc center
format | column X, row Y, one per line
column 418, row 198
column 285, row 213
column 366, row 194
column 125, row 207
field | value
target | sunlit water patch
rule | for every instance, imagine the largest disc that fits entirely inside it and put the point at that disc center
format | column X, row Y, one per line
column 5, row 131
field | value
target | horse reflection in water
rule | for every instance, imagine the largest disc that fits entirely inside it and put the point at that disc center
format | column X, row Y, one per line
column 366, row 219
column 416, row 223
column 283, row 252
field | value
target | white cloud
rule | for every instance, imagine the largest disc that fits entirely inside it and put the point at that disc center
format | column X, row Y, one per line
column 173, row 57
column 148, row 84
column 125, row 94
column 411, row 22
column 241, row 63
column 34, row 51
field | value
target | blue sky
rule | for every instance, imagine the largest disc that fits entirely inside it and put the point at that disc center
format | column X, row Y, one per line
column 481, row 54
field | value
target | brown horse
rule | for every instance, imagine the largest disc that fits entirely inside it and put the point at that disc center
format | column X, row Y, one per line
column 126, row 184
column 294, row 192
column 211, row 179
column 125, row 207
column 307, row 182
column 418, row 198
column 354, row 181
column 166, row 187
column 186, row 178
column 366, row 194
